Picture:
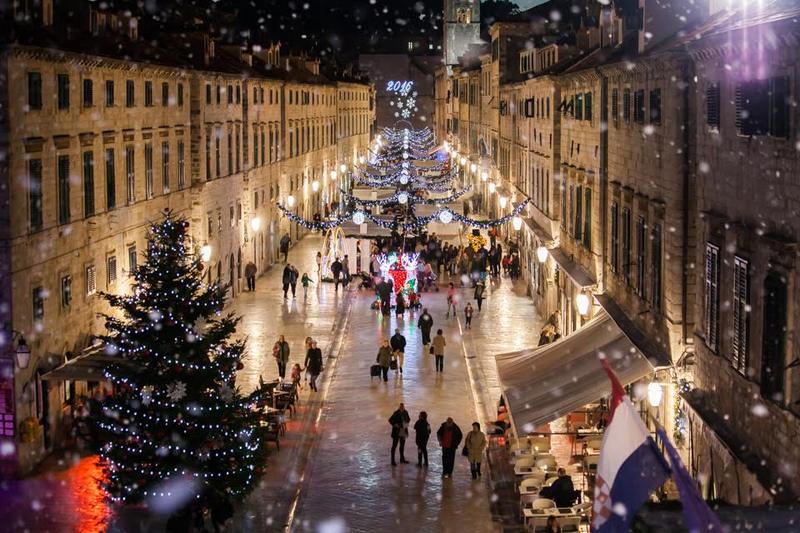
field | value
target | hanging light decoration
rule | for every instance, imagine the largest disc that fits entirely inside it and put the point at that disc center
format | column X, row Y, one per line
column 484, row 176
column 342, row 168
column 503, row 202
column 359, row 217
column 404, row 179
column 463, row 160
column 542, row 253
column 315, row 185
column 517, row 222
column 445, row 216
column 473, row 167
column 333, row 175
column 492, row 187
column 402, row 198
column 290, row 200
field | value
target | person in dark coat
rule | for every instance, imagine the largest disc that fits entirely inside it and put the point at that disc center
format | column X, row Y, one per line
column 313, row 364
column 422, row 431
column 336, row 270
column 295, row 275
column 479, row 290
column 425, row 323
column 399, row 420
column 398, row 343
column 562, row 491
column 285, row 242
column 400, row 308
column 281, row 353
column 287, row 280
column 250, row 273
column 449, row 437
column 384, row 358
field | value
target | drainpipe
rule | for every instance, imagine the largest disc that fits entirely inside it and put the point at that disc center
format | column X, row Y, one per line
column 687, row 161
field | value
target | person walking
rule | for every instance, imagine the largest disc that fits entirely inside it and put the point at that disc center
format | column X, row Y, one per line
column 313, row 364
column 468, row 311
column 425, row 323
column 384, row 358
column 422, row 431
column 286, row 279
column 250, row 273
column 449, row 437
column 398, row 344
column 345, row 272
column 475, row 443
column 399, row 420
column 293, row 277
column 319, row 264
column 305, row 281
column 480, row 287
column 438, row 350
column 400, row 307
column 451, row 300
column 336, row 270
column 285, row 242
column 281, row 353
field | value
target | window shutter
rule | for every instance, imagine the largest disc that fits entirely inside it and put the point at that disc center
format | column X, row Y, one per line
column 712, row 106
column 740, row 314
column 712, row 296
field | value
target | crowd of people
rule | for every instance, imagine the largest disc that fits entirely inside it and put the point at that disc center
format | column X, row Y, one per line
column 312, row 365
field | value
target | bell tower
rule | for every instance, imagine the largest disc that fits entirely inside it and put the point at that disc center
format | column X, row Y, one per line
column 462, row 26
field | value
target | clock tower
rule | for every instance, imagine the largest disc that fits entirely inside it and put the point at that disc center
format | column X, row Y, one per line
column 462, row 26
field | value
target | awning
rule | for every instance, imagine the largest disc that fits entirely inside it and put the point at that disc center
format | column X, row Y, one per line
column 546, row 383
column 572, row 269
column 88, row 366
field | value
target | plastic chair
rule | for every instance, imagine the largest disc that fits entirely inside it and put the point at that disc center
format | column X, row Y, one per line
column 546, row 463
column 543, row 503
column 536, row 474
column 530, row 484
column 524, row 465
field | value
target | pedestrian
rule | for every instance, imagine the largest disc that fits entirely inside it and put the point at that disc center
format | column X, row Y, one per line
column 384, row 358
column 286, row 279
column 295, row 274
column 425, row 323
column 438, row 350
column 474, row 445
column 285, row 242
column 399, row 420
column 422, row 430
column 281, row 353
column 305, row 281
column 250, row 273
column 400, row 307
column 449, row 437
column 319, row 264
column 336, row 270
column 555, row 321
column 479, row 289
column 313, row 364
column 451, row 300
column 398, row 344
column 468, row 311
column 297, row 373
column 345, row 272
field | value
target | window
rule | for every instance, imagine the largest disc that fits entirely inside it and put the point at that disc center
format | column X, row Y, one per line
column 208, row 93
column 587, row 218
column 578, row 227
column 614, row 237
column 111, row 182
column 217, row 154
column 626, row 244
column 111, row 270
column 148, row 94
column 230, row 152
column 181, row 166
column 232, row 216
column 62, row 82
column 641, row 236
column 237, row 150
column 229, row 92
column 741, row 314
column 180, row 95
column 164, row 94
column 148, row 170
column 615, row 106
column 255, row 147
column 88, row 184
column 88, row 93
column 711, row 305
column 34, row 90
column 626, row 106
column 35, row 193
column 130, row 176
column 38, row 304
column 91, row 280
column 773, row 348
column 571, row 220
column 219, row 94
column 638, row 106
column 63, row 189
column 130, row 94
column 655, row 266
column 210, row 224
column 762, row 107
column 712, row 106
column 255, row 95
column 66, row 291
column 165, row 167
column 131, row 259
column 655, row 106
column 238, row 94
column 109, row 93
column 587, row 101
column 578, row 110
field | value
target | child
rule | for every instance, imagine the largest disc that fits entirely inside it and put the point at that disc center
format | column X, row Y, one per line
column 468, row 315
column 305, row 281
column 296, row 374
column 451, row 300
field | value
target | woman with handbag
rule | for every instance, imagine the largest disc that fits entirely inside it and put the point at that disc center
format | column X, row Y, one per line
column 474, row 445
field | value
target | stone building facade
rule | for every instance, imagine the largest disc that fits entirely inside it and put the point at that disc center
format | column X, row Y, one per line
column 680, row 148
column 99, row 141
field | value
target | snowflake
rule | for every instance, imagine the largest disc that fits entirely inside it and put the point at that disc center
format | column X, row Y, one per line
column 147, row 394
column 177, row 391
column 226, row 393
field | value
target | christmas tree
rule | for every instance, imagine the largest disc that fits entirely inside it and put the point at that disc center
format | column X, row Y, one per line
column 176, row 415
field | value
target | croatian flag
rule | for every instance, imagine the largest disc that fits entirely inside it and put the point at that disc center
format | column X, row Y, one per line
column 630, row 465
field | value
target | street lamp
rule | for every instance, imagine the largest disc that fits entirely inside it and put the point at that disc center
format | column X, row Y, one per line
column 582, row 302
column 23, row 353
column 654, row 394
column 255, row 224
column 290, row 200
column 517, row 221
column 205, row 253
column 542, row 253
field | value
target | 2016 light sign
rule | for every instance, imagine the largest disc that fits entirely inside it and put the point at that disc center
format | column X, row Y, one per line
column 404, row 98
